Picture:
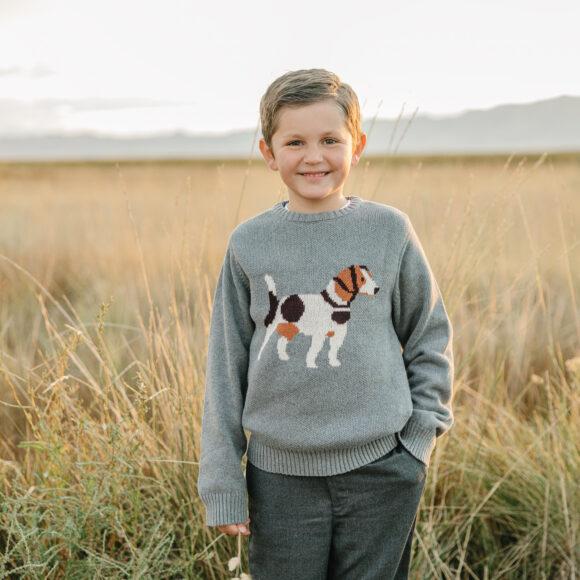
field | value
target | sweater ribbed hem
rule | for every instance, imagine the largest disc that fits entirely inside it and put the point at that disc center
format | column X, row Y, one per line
column 280, row 210
column 318, row 463
column 224, row 509
column 418, row 441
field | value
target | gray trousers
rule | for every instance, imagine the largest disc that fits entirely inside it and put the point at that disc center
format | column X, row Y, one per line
column 352, row 526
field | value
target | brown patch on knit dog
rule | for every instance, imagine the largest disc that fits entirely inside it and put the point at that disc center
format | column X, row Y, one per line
column 287, row 330
column 345, row 286
column 345, row 290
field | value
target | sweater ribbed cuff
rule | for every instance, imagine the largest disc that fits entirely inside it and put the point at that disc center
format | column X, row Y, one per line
column 418, row 441
column 225, row 509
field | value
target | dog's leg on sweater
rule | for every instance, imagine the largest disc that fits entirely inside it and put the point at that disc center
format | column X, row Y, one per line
column 315, row 348
column 336, row 341
column 282, row 354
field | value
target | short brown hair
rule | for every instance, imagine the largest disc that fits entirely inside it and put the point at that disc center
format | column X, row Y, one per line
column 304, row 87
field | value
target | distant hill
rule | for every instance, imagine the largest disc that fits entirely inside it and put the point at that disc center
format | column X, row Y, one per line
column 551, row 125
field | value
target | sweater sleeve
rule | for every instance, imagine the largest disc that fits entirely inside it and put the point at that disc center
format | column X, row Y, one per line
column 221, row 482
column 425, row 334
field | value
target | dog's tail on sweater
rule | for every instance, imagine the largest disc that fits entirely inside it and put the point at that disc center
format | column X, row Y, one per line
column 270, row 283
column 272, row 312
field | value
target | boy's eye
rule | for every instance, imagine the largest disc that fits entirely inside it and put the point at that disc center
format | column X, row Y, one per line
column 330, row 141
column 294, row 143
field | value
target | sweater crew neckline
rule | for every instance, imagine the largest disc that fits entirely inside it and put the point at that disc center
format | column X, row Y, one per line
column 282, row 212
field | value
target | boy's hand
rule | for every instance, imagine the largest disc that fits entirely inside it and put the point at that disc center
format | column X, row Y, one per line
column 235, row 529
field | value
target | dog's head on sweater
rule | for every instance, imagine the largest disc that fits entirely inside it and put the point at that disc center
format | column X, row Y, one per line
column 352, row 281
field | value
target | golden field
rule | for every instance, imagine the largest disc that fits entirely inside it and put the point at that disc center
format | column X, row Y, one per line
column 107, row 275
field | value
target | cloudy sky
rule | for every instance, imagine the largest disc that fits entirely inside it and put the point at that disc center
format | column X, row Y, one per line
column 144, row 66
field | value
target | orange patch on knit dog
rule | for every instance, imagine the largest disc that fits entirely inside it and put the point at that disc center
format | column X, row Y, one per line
column 345, row 278
column 330, row 333
column 287, row 330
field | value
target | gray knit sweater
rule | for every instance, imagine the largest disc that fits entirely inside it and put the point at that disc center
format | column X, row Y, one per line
column 329, row 342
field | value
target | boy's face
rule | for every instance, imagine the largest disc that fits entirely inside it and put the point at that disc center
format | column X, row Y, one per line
column 313, row 150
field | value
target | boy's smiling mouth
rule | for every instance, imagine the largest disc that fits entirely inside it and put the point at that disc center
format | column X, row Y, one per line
column 314, row 173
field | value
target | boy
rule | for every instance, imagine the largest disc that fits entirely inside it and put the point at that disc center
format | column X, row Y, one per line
column 329, row 344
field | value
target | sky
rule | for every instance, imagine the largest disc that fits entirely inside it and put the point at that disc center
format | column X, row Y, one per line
column 137, row 67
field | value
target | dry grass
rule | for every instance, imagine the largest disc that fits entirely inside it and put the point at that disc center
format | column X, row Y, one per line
column 106, row 281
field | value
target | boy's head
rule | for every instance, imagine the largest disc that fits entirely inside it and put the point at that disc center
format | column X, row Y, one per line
column 304, row 87
column 311, row 136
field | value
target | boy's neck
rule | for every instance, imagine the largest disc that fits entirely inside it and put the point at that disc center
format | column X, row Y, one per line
column 301, row 205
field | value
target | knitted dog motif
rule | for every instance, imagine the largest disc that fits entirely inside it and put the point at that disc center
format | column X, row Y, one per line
column 317, row 315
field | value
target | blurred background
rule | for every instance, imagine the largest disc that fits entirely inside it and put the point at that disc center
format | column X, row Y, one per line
column 184, row 78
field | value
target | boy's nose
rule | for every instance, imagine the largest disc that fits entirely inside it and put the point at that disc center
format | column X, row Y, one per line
column 312, row 155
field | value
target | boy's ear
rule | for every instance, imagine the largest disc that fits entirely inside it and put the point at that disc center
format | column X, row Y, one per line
column 268, row 155
column 356, row 154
